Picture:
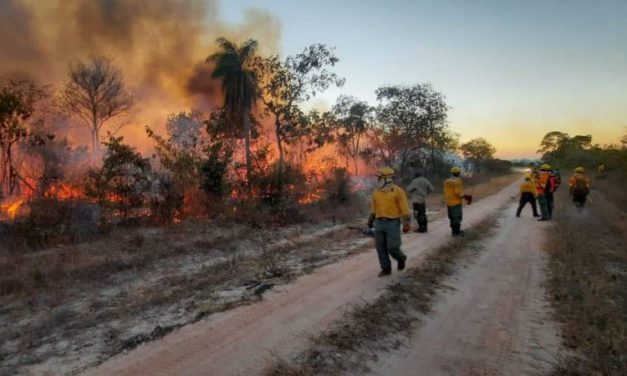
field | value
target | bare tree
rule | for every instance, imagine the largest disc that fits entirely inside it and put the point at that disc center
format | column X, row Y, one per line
column 95, row 92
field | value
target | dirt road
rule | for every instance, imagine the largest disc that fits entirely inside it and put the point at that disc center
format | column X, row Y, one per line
column 241, row 341
column 496, row 320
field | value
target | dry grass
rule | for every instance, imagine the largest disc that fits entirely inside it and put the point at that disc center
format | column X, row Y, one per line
column 588, row 275
column 385, row 323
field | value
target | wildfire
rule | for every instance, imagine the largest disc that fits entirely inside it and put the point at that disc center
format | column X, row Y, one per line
column 12, row 208
column 312, row 197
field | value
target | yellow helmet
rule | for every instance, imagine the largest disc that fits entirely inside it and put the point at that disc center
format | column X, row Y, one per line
column 579, row 169
column 456, row 170
column 545, row 167
column 385, row 172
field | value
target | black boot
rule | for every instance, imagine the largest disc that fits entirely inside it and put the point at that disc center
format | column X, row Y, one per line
column 401, row 263
column 385, row 272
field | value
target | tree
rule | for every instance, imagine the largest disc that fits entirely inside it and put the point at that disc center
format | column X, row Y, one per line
column 95, row 92
column 18, row 99
column 287, row 84
column 123, row 179
column 410, row 122
column 478, row 150
column 233, row 64
column 353, row 118
column 551, row 142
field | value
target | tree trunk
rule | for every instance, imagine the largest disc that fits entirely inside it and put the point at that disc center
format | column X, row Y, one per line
column 94, row 137
column 279, row 144
column 249, row 165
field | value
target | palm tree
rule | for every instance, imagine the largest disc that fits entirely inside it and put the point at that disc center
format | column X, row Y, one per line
column 233, row 64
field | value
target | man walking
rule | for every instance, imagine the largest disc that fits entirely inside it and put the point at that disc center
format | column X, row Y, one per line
column 389, row 207
column 528, row 194
column 453, row 195
column 544, row 188
column 579, row 187
column 418, row 190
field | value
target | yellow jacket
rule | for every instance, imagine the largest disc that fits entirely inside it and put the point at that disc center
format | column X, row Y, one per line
column 528, row 187
column 453, row 191
column 585, row 181
column 390, row 202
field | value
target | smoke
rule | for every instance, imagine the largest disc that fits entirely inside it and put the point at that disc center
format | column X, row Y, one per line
column 160, row 45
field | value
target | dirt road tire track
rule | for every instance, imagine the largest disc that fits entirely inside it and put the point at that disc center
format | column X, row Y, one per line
column 496, row 321
column 243, row 340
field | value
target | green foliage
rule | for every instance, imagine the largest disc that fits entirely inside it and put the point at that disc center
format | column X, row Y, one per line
column 123, row 179
column 278, row 189
column 353, row 119
column 411, row 123
column 287, row 84
column 233, row 65
column 215, row 170
column 479, row 151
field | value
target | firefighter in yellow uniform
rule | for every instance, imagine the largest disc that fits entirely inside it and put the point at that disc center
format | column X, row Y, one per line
column 388, row 209
column 528, row 193
column 453, row 195
column 579, row 185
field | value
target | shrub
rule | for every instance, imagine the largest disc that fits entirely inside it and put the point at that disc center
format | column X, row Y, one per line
column 52, row 222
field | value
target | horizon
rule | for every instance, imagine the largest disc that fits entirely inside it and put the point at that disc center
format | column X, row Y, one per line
column 511, row 72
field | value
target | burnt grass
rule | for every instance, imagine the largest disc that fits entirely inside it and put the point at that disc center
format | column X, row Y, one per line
column 386, row 323
column 262, row 265
column 587, row 284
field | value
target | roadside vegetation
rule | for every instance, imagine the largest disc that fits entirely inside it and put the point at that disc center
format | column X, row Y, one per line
column 588, row 258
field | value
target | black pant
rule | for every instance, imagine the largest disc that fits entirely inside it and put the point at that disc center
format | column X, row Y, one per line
column 579, row 199
column 550, row 203
column 525, row 198
column 420, row 213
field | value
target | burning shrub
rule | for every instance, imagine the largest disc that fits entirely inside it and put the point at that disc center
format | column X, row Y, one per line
column 51, row 222
column 338, row 186
column 166, row 197
column 123, row 179
column 278, row 190
column 215, row 170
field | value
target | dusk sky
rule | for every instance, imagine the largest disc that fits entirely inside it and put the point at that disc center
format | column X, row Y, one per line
column 511, row 70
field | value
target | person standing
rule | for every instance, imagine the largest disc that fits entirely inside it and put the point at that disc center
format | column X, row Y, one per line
column 544, row 188
column 528, row 194
column 418, row 190
column 579, row 187
column 453, row 195
column 388, row 208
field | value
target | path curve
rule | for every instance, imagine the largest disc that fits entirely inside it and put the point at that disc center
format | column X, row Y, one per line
column 242, row 341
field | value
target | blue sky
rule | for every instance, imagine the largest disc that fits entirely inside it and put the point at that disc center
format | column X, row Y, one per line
column 511, row 70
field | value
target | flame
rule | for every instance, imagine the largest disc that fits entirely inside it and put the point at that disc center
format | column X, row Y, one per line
column 12, row 209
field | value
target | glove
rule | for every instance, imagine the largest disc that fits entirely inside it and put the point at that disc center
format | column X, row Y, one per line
column 371, row 221
column 468, row 199
column 406, row 228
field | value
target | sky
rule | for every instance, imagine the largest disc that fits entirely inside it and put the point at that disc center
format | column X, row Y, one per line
column 511, row 70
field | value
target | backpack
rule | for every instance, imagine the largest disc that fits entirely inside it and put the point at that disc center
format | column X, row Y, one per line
column 580, row 187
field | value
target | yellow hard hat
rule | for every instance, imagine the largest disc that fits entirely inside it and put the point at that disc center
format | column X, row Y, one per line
column 456, row 170
column 579, row 169
column 545, row 167
column 386, row 171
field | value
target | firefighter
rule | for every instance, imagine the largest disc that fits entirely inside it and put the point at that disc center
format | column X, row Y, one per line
column 550, row 195
column 453, row 195
column 388, row 209
column 418, row 190
column 579, row 187
column 528, row 194
column 544, row 189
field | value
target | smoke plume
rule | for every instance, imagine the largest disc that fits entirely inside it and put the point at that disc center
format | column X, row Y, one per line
column 159, row 44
